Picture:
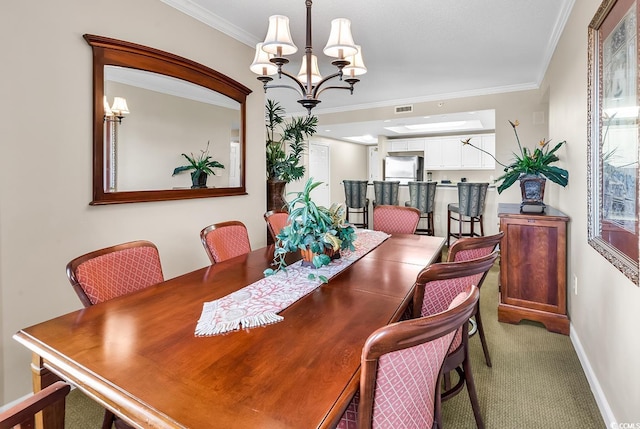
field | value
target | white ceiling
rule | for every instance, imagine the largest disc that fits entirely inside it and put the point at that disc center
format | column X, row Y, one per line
column 414, row 50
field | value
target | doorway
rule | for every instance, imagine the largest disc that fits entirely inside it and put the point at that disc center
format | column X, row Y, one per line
column 320, row 170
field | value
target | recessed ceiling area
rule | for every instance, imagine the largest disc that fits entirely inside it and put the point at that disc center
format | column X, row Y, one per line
column 367, row 132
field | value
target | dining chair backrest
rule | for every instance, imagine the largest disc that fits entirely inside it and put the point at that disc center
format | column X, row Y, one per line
column 108, row 273
column 401, row 369
column 276, row 220
column 437, row 284
column 422, row 195
column 473, row 247
column 23, row 413
column 225, row 240
column 471, row 198
column 385, row 192
column 395, row 219
column 355, row 193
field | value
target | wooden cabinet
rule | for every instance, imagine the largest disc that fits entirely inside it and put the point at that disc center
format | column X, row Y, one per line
column 533, row 267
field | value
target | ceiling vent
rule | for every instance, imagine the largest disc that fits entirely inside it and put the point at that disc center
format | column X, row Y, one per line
column 404, row 109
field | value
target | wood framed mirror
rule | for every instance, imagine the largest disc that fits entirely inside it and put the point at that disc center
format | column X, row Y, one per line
column 613, row 131
column 174, row 106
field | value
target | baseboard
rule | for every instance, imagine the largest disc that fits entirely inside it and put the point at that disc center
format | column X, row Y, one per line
column 601, row 399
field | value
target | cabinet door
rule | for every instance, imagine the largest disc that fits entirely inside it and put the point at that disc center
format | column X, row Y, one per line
column 451, row 153
column 442, row 154
column 489, row 144
column 472, row 157
column 533, row 264
column 415, row 145
column 432, row 154
column 398, row 146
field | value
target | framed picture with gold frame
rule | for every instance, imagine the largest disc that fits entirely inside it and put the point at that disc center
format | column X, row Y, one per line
column 613, row 134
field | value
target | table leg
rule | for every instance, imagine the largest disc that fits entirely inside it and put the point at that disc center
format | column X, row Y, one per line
column 52, row 417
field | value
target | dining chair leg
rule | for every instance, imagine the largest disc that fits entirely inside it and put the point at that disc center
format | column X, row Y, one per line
column 471, row 389
column 483, row 341
column 448, row 227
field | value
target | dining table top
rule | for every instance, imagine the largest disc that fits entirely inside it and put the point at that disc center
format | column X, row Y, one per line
column 138, row 356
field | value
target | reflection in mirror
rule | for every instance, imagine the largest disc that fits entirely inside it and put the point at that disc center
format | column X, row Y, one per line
column 167, row 117
column 172, row 106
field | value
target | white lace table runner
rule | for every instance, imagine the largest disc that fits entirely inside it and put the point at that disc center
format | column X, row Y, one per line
column 259, row 303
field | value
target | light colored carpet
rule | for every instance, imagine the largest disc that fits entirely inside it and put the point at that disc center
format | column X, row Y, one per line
column 536, row 380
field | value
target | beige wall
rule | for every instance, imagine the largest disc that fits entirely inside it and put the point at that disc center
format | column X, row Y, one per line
column 604, row 313
column 45, row 158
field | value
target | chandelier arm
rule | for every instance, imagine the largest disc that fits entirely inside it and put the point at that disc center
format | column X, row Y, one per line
column 317, row 86
column 302, row 91
column 350, row 88
column 293, row 88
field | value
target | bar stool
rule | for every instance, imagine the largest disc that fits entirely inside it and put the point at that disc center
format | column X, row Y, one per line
column 386, row 193
column 355, row 193
column 422, row 196
column 469, row 209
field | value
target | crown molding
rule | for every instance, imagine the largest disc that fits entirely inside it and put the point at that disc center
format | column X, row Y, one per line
column 212, row 20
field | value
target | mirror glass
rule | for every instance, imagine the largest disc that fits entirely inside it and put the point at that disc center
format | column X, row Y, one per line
column 172, row 106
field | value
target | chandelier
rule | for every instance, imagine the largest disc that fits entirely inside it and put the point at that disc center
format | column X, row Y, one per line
column 269, row 59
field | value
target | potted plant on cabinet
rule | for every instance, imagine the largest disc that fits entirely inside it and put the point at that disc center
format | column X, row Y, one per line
column 313, row 230
column 284, row 150
column 202, row 165
column 531, row 168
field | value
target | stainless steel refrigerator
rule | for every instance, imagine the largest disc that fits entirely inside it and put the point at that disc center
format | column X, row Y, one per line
column 404, row 168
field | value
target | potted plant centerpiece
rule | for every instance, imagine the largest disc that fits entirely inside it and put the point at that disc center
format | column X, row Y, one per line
column 315, row 231
column 202, row 165
column 531, row 168
column 284, row 150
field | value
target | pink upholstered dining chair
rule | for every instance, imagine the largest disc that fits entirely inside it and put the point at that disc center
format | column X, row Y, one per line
column 111, row 272
column 22, row 415
column 435, row 288
column 396, row 219
column 402, row 368
column 225, row 240
column 276, row 220
column 114, row 271
column 468, row 248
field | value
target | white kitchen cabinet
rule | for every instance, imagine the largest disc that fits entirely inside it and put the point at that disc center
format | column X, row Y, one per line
column 443, row 153
column 398, row 146
column 408, row 145
column 448, row 153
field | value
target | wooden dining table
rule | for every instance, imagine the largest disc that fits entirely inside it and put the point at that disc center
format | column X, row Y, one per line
column 137, row 355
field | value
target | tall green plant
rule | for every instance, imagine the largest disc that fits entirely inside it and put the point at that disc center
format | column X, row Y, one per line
column 286, row 136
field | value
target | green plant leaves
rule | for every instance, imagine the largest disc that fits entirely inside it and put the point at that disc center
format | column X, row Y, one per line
column 280, row 164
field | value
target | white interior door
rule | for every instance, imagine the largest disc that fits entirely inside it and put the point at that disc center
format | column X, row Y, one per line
column 374, row 164
column 320, row 170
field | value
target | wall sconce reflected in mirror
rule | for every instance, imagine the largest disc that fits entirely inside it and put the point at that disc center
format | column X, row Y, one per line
column 112, row 117
column 116, row 112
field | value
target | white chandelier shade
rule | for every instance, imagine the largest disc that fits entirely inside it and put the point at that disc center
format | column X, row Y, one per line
column 340, row 43
column 278, row 40
column 315, row 71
